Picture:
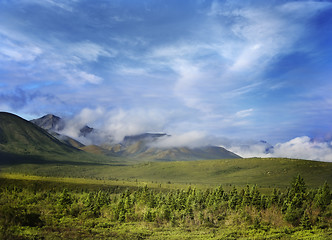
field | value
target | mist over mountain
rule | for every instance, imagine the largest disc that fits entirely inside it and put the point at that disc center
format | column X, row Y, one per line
column 54, row 123
column 86, row 130
column 115, row 132
column 19, row 136
column 50, row 122
column 56, row 126
column 146, row 137
column 144, row 146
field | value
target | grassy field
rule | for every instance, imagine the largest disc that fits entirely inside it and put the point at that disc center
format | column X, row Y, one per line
column 36, row 207
column 49, row 190
column 265, row 172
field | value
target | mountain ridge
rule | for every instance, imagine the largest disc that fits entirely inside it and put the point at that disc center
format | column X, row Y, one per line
column 49, row 122
column 54, row 125
column 20, row 136
column 138, row 147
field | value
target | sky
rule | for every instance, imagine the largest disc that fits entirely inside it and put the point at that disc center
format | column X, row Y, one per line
column 231, row 73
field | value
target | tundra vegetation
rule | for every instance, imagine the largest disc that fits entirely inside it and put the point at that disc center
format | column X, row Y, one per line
column 33, row 208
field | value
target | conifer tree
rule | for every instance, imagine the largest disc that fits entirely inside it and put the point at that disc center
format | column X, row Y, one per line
column 294, row 203
column 255, row 197
column 305, row 222
column 323, row 197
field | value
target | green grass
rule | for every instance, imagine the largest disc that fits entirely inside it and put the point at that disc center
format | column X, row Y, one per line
column 25, row 196
column 137, row 231
column 23, row 142
column 28, row 149
column 40, row 183
column 35, row 168
column 265, row 172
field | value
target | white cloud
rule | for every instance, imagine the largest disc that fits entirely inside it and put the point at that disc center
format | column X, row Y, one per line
column 299, row 148
column 63, row 4
column 18, row 51
column 241, row 50
column 120, row 123
column 303, row 147
column 85, row 117
column 88, row 51
column 117, row 123
column 188, row 139
column 262, row 33
column 244, row 113
column 114, row 125
column 187, row 85
column 208, row 72
column 64, row 60
column 133, row 71
column 304, row 9
column 77, row 77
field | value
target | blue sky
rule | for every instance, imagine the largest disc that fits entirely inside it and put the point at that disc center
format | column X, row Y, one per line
column 228, row 69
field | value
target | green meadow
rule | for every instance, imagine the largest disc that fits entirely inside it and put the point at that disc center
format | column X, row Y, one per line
column 264, row 172
column 215, row 199
column 38, row 207
column 50, row 190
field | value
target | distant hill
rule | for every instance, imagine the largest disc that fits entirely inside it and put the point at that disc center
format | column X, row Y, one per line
column 67, row 140
column 23, row 137
column 139, row 147
column 54, row 124
column 24, row 142
column 86, row 130
column 21, row 141
column 145, row 137
column 50, row 122
column 142, row 147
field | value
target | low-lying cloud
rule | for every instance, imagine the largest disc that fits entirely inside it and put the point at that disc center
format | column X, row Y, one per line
column 304, row 147
column 189, row 139
column 111, row 126
column 299, row 148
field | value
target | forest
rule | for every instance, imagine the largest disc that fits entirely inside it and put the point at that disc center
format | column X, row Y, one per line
column 40, row 210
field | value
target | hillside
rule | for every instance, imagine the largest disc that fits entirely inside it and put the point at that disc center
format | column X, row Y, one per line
column 180, row 153
column 50, row 122
column 35, row 151
column 265, row 172
column 141, row 147
column 145, row 147
column 23, row 141
column 54, row 124
column 22, row 137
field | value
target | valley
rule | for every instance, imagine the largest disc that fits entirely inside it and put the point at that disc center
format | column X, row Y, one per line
column 157, row 120
column 53, row 187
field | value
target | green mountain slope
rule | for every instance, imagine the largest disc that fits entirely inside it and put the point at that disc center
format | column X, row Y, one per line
column 28, row 149
column 186, row 154
column 22, row 137
column 22, row 141
column 145, row 147
column 135, row 148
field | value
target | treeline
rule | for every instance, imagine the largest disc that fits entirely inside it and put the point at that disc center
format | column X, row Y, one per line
column 298, row 208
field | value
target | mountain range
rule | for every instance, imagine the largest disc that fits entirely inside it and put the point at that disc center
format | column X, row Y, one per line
column 43, row 136
column 21, row 140
column 138, row 147
column 20, row 136
column 30, row 149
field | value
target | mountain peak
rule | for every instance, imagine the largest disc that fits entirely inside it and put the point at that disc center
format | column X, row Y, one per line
column 84, row 131
column 51, row 116
column 49, row 122
column 19, row 136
